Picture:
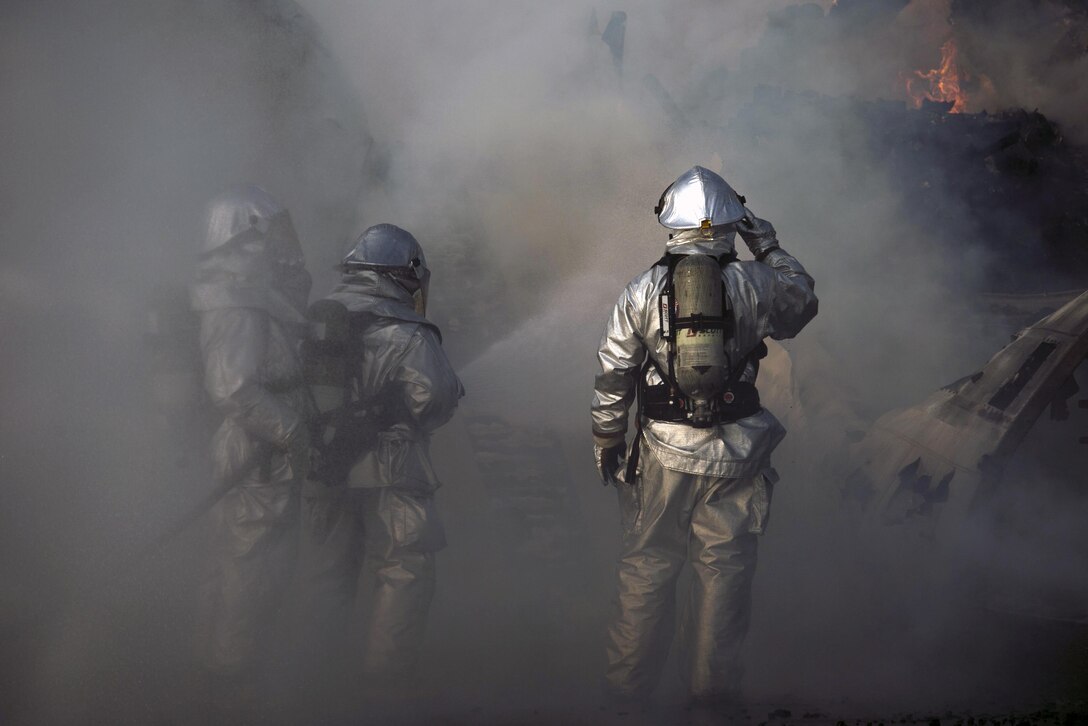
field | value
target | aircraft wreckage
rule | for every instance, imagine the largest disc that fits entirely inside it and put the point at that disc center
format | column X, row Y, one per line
column 936, row 459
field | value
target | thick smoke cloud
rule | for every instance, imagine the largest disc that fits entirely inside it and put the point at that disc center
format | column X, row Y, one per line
column 555, row 162
column 505, row 138
column 120, row 121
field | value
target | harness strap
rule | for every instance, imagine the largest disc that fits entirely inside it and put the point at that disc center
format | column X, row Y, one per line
column 632, row 456
column 664, row 402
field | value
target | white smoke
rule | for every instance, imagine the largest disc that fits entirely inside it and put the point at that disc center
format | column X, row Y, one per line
column 504, row 138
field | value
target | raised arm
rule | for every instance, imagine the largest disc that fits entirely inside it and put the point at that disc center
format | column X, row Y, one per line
column 788, row 301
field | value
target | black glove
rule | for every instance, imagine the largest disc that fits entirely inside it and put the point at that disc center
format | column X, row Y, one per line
column 758, row 234
column 610, row 462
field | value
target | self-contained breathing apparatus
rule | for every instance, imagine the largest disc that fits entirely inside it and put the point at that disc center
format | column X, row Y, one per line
column 344, row 425
column 340, row 430
column 701, row 387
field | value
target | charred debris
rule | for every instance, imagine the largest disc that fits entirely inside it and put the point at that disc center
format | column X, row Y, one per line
column 1017, row 190
column 1009, row 180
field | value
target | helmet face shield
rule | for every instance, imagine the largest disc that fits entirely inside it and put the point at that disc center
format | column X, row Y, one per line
column 288, row 266
column 419, row 298
column 423, row 275
column 282, row 244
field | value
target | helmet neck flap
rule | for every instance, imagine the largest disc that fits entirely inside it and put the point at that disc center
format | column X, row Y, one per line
column 251, row 240
column 394, row 254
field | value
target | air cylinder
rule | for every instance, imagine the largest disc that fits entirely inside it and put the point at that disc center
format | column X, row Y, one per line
column 324, row 353
column 700, row 353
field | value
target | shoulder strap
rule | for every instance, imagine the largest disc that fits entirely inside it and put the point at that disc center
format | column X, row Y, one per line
column 632, row 456
column 667, row 312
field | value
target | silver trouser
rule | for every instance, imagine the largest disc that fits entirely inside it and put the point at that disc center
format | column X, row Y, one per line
column 669, row 517
column 254, row 541
column 380, row 542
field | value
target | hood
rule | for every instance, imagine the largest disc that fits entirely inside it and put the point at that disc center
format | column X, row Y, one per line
column 252, row 213
column 695, row 242
column 374, row 293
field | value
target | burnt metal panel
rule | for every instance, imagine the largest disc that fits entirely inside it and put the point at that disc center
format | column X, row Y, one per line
column 956, row 441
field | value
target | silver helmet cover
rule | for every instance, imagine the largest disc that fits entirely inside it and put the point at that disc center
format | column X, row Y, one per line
column 246, row 210
column 699, row 198
column 388, row 249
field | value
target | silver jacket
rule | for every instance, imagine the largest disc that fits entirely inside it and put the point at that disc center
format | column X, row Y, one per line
column 249, row 334
column 772, row 298
column 405, row 372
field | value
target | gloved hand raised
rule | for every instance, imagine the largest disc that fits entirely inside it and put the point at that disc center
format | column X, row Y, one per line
column 610, row 462
column 758, row 234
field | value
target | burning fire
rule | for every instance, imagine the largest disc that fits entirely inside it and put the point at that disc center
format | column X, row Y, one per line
column 943, row 84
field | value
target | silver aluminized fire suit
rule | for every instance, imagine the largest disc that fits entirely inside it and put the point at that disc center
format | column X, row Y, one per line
column 700, row 494
column 384, row 523
column 250, row 295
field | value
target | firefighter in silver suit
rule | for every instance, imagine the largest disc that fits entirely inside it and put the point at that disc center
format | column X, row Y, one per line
column 375, row 534
column 250, row 295
column 697, row 483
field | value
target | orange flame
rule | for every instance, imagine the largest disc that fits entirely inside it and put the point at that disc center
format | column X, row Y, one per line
column 943, row 84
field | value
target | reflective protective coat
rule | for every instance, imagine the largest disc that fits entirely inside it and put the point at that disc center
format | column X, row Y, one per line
column 249, row 333
column 773, row 298
column 385, row 521
column 700, row 494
